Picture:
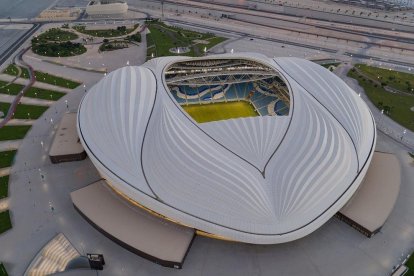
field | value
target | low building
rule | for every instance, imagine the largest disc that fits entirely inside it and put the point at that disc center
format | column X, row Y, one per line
column 66, row 146
column 97, row 8
column 59, row 14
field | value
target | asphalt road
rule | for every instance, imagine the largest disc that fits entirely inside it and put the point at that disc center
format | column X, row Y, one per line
column 14, row 46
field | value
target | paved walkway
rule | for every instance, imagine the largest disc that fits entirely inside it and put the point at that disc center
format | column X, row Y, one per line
column 4, row 204
column 20, row 122
column 59, row 69
column 5, row 171
column 38, row 84
column 9, row 144
column 25, row 100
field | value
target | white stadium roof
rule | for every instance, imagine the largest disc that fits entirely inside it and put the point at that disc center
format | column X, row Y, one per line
column 265, row 179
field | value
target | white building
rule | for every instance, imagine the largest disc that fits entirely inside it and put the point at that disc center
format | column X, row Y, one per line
column 270, row 178
column 96, row 8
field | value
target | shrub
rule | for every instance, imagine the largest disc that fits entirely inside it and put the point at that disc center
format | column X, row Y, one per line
column 64, row 49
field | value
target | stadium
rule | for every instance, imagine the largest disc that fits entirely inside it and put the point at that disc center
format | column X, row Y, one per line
column 238, row 146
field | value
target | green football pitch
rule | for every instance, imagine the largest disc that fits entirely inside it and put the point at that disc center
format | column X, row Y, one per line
column 203, row 113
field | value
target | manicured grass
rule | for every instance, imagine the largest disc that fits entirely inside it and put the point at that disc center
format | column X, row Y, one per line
column 56, row 34
column 399, row 105
column 55, row 80
column 44, row 94
column 5, row 222
column 410, row 265
column 4, row 186
column 13, row 132
column 11, row 89
column 12, row 70
column 24, row 111
column 42, row 77
column 62, row 49
column 6, row 158
column 163, row 38
column 3, row 271
column 119, row 31
column 398, row 80
column 33, row 92
column 220, row 111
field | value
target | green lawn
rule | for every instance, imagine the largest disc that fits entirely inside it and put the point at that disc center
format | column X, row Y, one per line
column 44, row 94
column 163, row 38
column 6, row 158
column 398, row 80
column 220, row 111
column 12, row 70
column 5, row 223
column 11, row 89
column 119, row 31
column 42, row 77
column 3, row 271
column 399, row 104
column 410, row 265
column 4, row 186
column 13, row 132
column 24, row 111
column 33, row 92
column 57, row 34
column 55, row 80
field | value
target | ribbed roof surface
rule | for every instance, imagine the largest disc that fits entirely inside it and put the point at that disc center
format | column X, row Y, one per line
column 260, row 180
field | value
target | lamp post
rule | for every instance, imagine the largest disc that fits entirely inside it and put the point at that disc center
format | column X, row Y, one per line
column 404, row 132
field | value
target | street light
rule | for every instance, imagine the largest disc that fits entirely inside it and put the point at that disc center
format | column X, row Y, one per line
column 404, row 132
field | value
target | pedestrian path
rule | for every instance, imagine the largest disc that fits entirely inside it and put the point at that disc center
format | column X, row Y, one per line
column 4, row 204
column 20, row 122
column 5, row 171
column 9, row 144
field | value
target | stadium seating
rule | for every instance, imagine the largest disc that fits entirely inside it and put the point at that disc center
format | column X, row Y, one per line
column 262, row 94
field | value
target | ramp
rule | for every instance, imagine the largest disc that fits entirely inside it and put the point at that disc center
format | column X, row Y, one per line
column 133, row 228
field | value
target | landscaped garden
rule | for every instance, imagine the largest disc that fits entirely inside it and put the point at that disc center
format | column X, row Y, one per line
column 397, row 106
column 63, row 49
column 162, row 38
column 13, row 132
column 401, row 81
column 5, row 222
column 56, row 43
column 24, row 111
column 13, row 70
column 113, row 45
column 57, row 34
column 118, row 31
column 42, row 77
column 4, row 186
column 33, row 92
column 6, row 158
